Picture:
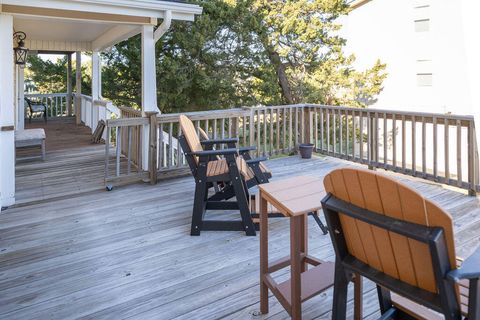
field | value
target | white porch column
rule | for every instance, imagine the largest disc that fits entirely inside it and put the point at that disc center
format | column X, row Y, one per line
column 78, row 84
column 96, row 89
column 7, row 113
column 69, row 84
column 149, row 84
column 96, row 76
column 20, row 99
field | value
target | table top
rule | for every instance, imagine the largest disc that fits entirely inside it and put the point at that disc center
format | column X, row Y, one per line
column 296, row 195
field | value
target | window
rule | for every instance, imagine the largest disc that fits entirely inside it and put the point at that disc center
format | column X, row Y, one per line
column 422, row 25
column 424, row 79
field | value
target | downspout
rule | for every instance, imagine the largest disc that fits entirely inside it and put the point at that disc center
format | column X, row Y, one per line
column 163, row 28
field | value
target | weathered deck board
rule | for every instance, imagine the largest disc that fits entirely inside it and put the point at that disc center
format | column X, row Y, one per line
column 127, row 254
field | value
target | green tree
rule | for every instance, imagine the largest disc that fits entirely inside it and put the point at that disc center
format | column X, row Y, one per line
column 48, row 76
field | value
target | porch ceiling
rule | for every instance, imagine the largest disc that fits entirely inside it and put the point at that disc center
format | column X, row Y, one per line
column 49, row 29
column 88, row 25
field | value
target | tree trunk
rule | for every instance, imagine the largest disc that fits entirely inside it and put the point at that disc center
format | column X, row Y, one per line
column 280, row 69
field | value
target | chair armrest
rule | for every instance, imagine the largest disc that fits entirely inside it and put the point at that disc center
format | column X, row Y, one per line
column 219, row 141
column 208, row 153
column 246, row 149
column 256, row 160
column 470, row 268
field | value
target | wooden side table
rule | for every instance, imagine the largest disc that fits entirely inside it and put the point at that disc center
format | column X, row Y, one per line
column 294, row 198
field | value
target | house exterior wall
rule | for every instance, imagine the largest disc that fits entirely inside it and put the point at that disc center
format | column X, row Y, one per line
column 422, row 44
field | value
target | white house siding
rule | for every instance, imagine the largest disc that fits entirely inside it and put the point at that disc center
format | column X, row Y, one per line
column 424, row 46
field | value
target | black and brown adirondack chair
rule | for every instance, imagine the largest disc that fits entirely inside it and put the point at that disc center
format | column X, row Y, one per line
column 221, row 167
column 36, row 107
column 390, row 234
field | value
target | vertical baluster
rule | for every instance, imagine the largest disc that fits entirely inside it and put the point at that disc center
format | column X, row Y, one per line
column 296, row 128
column 347, row 135
column 435, row 148
column 354, row 135
column 334, row 127
column 179, row 149
column 161, row 145
column 322, row 129
column 471, row 159
column 230, row 130
column 107, row 153
column 271, row 142
column 205, row 127
column 56, row 106
column 376, row 140
column 119, row 146
column 404, row 145
column 414, row 146
column 222, row 130
column 259, row 141
column 424, row 148
column 447, row 151
column 290, row 128
column 277, row 126
column 340, row 122
column 327, row 115
column 244, row 133
column 385, row 140
column 129, row 147
column 284, row 127
column 170, row 145
column 315, row 114
column 371, row 139
column 459, row 154
column 251, row 132
column 265, row 151
column 215, row 128
column 394, row 141
column 360, row 114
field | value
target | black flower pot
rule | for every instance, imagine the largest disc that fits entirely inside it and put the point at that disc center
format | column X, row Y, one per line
column 306, row 150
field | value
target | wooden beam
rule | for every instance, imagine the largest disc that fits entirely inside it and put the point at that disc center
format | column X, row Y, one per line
column 77, row 15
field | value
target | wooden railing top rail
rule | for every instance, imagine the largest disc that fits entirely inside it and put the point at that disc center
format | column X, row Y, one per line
column 204, row 115
column 408, row 114
column 127, row 122
column 45, row 95
column 129, row 110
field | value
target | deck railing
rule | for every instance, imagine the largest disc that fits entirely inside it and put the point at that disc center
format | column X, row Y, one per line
column 56, row 103
column 437, row 147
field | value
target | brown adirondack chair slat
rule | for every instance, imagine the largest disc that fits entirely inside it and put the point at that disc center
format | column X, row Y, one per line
column 390, row 253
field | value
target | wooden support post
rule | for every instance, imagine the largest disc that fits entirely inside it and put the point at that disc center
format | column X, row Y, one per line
column 78, row 84
column 472, row 158
column 69, row 85
column 152, row 162
column 20, row 99
column 7, row 113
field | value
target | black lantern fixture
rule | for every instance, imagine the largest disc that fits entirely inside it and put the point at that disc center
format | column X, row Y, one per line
column 20, row 50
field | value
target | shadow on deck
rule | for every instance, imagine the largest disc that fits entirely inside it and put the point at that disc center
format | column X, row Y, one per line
column 73, row 164
column 128, row 253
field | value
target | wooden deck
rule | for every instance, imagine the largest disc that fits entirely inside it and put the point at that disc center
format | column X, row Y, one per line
column 127, row 254
column 73, row 164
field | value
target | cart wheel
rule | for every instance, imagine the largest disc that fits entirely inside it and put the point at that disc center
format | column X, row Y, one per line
column 109, row 188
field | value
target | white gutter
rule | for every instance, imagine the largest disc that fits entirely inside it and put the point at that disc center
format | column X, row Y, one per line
column 163, row 28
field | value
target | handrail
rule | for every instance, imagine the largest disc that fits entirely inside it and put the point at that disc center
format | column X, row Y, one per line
column 437, row 147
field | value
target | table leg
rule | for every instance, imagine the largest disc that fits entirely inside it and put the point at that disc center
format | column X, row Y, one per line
column 263, row 253
column 296, row 230
column 304, row 241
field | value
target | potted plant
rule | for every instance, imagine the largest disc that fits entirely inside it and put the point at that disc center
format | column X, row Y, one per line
column 306, row 150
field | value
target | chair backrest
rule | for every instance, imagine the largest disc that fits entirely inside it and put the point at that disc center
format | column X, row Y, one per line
column 190, row 134
column 203, row 135
column 402, row 258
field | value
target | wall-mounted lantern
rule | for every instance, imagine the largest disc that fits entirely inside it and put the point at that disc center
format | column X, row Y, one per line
column 20, row 50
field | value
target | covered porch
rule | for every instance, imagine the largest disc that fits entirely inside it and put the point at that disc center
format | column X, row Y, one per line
column 70, row 28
